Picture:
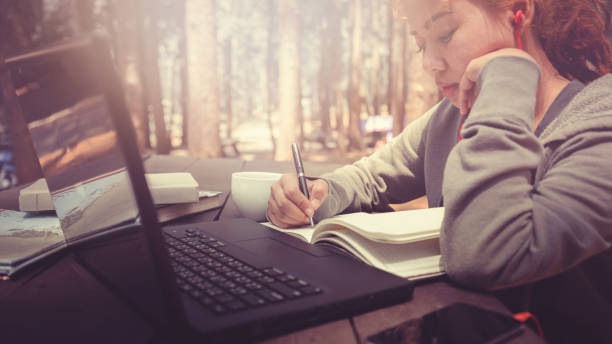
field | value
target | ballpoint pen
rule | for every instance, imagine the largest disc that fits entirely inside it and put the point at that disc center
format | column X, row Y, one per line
column 299, row 168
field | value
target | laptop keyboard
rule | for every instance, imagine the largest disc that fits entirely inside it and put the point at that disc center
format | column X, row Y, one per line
column 225, row 284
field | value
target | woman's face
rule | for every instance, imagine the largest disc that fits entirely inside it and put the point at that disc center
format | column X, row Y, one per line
column 451, row 33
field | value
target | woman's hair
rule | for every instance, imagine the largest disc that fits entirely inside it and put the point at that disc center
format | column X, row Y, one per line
column 572, row 34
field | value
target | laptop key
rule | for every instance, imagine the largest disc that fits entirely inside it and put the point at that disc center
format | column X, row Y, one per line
column 266, row 280
column 245, row 269
column 207, row 300
column 218, row 279
column 270, row 295
column 228, row 285
column 238, row 291
column 236, row 305
column 254, row 274
column 273, row 271
column 204, row 285
column 310, row 290
column 298, row 284
column 286, row 291
column 253, row 286
column 223, row 283
column 243, row 280
column 224, row 298
column 213, row 291
column 253, row 300
column 285, row 278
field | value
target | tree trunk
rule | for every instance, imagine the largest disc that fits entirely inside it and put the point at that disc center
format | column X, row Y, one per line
column 126, row 37
column 203, row 88
column 398, row 82
column 26, row 160
column 151, row 74
column 324, row 93
column 267, row 88
column 391, row 36
column 228, row 86
column 354, row 130
column 326, row 75
column 289, row 82
column 337, row 94
column 84, row 12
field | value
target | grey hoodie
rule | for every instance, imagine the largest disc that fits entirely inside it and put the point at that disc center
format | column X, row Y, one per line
column 520, row 210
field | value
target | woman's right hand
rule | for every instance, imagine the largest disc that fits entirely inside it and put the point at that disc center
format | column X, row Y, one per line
column 287, row 205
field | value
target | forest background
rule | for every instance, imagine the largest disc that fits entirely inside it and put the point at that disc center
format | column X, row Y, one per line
column 214, row 78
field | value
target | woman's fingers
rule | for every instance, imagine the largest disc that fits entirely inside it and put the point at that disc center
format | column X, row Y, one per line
column 318, row 192
column 468, row 91
column 467, row 87
column 285, row 201
column 284, row 206
column 289, row 207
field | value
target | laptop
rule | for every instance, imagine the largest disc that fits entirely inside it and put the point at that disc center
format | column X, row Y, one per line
column 230, row 280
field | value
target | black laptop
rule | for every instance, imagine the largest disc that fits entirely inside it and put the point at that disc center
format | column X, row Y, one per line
column 225, row 281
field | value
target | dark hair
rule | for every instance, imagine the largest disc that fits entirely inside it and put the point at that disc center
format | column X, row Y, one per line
column 572, row 34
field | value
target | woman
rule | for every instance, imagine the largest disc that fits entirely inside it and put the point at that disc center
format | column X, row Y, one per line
column 519, row 152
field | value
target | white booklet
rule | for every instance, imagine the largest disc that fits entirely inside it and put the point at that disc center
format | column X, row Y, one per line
column 25, row 238
column 405, row 243
column 166, row 188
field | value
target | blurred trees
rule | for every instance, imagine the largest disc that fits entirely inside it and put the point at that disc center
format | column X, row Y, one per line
column 354, row 87
column 289, row 78
column 198, row 73
column 127, row 19
column 202, row 83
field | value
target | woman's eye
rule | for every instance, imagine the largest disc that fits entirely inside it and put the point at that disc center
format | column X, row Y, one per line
column 447, row 36
column 420, row 48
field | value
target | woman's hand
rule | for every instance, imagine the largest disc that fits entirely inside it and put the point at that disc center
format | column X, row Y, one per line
column 287, row 205
column 468, row 92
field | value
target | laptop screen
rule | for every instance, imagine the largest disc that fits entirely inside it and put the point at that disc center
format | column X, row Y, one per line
column 71, row 101
column 66, row 112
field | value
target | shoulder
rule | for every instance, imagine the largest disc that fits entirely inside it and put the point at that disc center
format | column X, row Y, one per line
column 591, row 109
column 418, row 130
column 443, row 112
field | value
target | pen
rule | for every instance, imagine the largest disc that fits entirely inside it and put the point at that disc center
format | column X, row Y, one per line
column 299, row 168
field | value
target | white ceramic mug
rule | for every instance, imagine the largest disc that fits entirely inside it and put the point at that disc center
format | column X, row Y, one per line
column 250, row 192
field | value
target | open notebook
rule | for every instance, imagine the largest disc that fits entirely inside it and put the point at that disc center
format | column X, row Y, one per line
column 405, row 243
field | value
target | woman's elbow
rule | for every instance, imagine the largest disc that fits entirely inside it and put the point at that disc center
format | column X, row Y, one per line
column 474, row 272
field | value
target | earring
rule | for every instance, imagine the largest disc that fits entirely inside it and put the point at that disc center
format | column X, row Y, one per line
column 518, row 19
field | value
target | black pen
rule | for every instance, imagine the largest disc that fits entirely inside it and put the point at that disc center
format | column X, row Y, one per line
column 299, row 168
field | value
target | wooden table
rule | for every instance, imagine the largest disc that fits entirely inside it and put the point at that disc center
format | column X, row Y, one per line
column 60, row 285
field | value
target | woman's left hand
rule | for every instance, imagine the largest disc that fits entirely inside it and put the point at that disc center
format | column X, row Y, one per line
column 467, row 86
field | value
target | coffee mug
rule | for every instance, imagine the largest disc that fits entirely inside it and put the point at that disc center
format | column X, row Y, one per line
column 250, row 192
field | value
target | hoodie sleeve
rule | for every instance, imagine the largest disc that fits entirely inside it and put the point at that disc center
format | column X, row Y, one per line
column 392, row 174
column 503, row 226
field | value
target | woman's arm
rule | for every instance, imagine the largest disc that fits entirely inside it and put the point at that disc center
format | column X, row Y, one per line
column 504, row 225
column 393, row 174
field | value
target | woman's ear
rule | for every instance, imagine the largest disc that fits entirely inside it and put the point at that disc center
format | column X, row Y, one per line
column 522, row 14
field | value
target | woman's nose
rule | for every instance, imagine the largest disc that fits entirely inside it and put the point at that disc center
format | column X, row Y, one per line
column 433, row 63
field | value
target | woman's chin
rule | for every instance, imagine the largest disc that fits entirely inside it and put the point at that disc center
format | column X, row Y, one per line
column 454, row 101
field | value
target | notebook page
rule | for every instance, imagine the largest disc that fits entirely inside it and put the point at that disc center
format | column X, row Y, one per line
column 393, row 227
column 304, row 233
column 405, row 260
